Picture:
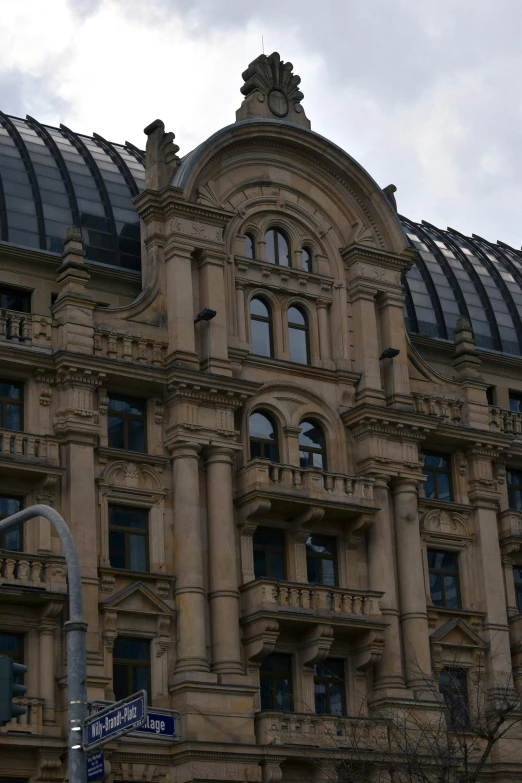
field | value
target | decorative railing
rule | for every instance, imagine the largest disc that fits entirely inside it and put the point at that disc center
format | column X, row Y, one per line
column 271, row 594
column 310, row 730
column 29, row 723
column 24, row 569
column 129, row 347
column 29, row 328
column 447, row 408
column 37, row 448
column 506, row 421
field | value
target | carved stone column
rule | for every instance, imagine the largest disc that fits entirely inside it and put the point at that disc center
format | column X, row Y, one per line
column 188, row 561
column 240, row 308
column 413, row 614
column 110, row 632
column 381, row 570
column 224, row 594
column 324, row 333
column 366, row 346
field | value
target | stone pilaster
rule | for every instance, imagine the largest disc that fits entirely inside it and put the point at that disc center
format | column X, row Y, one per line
column 213, row 334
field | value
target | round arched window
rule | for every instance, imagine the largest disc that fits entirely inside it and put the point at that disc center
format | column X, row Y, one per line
column 261, row 327
column 306, row 259
column 298, row 336
column 263, row 437
column 250, row 246
column 276, row 247
column 312, row 450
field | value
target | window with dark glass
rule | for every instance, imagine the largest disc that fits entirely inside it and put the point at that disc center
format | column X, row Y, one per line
column 276, row 247
column 444, row 578
column 298, row 336
column 130, row 666
column 11, row 405
column 517, row 578
column 128, row 538
column 276, row 682
column 263, row 437
column 453, row 687
column 514, row 488
column 10, row 539
column 312, row 451
column 15, row 299
column 306, row 259
column 250, row 246
column 515, row 401
column 269, row 553
column 261, row 328
column 329, row 687
column 12, row 644
column 321, row 560
column 437, row 470
column 126, row 423
column 491, row 395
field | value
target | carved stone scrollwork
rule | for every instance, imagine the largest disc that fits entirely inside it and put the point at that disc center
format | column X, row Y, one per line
column 161, row 156
column 370, row 652
column 260, row 639
column 316, row 645
column 450, row 522
column 272, row 772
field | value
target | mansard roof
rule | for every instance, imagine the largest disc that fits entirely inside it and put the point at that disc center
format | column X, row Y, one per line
column 51, row 178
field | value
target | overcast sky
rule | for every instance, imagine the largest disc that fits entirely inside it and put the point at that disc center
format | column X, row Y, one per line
column 423, row 93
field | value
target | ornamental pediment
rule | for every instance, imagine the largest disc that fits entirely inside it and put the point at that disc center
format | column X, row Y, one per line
column 446, row 522
column 136, row 598
column 457, row 633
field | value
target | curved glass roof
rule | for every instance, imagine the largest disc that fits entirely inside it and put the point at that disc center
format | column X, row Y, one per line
column 51, row 178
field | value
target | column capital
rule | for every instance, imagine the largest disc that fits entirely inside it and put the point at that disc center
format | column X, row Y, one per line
column 216, row 452
column 404, row 484
column 185, row 450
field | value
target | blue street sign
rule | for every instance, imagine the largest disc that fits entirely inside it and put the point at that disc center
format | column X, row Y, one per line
column 95, row 767
column 114, row 721
column 160, row 724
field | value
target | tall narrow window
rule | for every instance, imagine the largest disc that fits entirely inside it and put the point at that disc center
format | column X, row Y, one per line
column 298, row 336
column 263, row 437
column 128, row 538
column 12, row 645
column 126, row 423
column 517, row 578
column 444, row 578
column 250, row 246
column 453, row 686
column 306, row 259
column 261, row 328
column 131, row 666
column 321, row 560
column 515, row 401
column 438, row 478
column 329, row 687
column 276, row 683
column 312, row 452
column 11, row 405
column 514, row 487
column 276, row 247
column 10, row 539
column 269, row 553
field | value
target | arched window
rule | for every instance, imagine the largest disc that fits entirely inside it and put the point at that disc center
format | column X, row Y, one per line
column 298, row 336
column 261, row 328
column 277, row 251
column 312, row 449
column 250, row 246
column 263, row 437
column 306, row 259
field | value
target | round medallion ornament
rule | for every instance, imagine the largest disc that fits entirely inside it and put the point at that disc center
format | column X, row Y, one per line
column 278, row 102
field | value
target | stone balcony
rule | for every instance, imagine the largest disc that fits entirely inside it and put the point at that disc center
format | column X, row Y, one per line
column 318, row 731
column 129, row 347
column 46, row 573
column 505, row 421
column 31, row 722
column 28, row 329
column 445, row 407
column 289, row 488
column 25, row 446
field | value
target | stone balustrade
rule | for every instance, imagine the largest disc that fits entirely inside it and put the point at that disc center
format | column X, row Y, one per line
column 31, row 722
column 25, row 328
column 23, row 569
column 26, row 446
column 320, row 600
column 501, row 420
column 330, row 731
column 447, row 408
column 129, row 347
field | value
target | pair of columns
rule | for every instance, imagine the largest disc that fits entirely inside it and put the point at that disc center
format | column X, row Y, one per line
column 189, row 567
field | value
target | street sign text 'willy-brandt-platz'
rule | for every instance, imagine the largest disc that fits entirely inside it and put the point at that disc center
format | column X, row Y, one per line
column 114, row 721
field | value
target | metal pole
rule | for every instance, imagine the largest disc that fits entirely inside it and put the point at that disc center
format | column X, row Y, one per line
column 76, row 630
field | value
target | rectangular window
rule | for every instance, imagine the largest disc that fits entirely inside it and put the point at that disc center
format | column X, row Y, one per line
column 269, row 553
column 15, row 299
column 276, row 683
column 514, row 487
column 128, row 538
column 126, row 423
column 437, row 469
column 10, row 539
column 329, row 687
column 131, row 666
column 11, row 405
column 453, row 686
column 491, row 394
column 444, row 579
column 321, row 560
column 12, row 644
column 515, row 401
column 517, row 577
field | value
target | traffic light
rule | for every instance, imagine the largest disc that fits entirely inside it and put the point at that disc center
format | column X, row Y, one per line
column 10, row 673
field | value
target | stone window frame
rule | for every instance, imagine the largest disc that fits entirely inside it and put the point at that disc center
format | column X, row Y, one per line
column 298, row 233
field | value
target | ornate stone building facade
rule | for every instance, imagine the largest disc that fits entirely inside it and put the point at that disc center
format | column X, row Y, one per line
column 281, row 522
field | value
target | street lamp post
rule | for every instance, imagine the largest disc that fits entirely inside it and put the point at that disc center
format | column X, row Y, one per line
column 76, row 630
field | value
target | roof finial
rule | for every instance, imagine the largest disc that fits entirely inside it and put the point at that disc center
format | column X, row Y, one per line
column 161, row 158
